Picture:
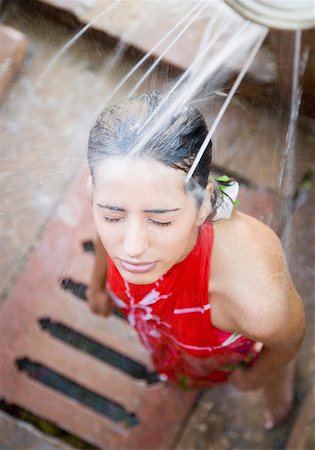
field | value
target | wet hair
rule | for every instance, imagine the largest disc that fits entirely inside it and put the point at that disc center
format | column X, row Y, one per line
column 121, row 128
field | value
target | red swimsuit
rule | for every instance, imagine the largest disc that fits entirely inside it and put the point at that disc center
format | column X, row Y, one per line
column 173, row 320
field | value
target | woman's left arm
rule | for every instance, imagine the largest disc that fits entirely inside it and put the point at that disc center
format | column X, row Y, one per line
column 264, row 304
column 281, row 341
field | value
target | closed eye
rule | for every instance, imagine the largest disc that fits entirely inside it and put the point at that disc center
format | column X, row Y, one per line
column 159, row 224
column 111, row 220
column 154, row 222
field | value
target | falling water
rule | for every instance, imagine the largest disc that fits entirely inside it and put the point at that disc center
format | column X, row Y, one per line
column 147, row 56
column 225, row 105
column 212, row 65
column 240, row 41
column 160, row 58
column 287, row 171
column 73, row 40
column 222, row 46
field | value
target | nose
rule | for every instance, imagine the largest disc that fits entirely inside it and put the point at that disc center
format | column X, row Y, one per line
column 135, row 240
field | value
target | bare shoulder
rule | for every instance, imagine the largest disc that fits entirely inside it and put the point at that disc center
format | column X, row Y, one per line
column 249, row 278
column 245, row 244
column 244, row 227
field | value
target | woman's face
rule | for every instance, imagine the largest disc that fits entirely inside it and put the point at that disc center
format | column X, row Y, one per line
column 144, row 218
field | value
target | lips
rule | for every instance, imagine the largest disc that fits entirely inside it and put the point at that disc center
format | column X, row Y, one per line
column 137, row 267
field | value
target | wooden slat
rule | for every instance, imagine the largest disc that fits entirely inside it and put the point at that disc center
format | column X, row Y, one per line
column 112, row 331
column 100, row 377
column 61, row 410
column 160, row 410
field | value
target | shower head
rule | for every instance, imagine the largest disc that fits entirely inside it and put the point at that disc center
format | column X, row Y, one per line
column 279, row 14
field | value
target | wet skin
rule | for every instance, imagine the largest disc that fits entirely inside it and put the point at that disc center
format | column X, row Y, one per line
column 147, row 223
column 144, row 216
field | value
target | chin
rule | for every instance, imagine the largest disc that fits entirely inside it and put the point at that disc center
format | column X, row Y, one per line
column 141, row 279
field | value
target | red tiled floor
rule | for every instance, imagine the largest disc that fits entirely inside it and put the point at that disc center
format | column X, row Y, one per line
column 36, row 295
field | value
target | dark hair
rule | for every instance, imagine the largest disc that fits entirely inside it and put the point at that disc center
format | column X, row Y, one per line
column 120, row 128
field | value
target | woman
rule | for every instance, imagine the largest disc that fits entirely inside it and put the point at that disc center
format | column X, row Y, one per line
column 211, row 299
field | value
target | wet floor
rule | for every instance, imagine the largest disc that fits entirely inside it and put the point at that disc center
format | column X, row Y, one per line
column 43, row 142
column 44, row 131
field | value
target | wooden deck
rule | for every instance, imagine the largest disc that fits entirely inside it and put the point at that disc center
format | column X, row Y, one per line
column 248, row 144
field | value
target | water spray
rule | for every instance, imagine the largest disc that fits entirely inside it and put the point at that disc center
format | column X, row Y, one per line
column 225, row 105
column 291, row 15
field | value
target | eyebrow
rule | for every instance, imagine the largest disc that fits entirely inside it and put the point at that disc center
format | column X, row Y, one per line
column 154, row 211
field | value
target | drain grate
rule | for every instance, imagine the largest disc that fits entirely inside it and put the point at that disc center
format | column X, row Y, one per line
column 79, row 290
column 88, row 246
column 98, row 350
column 98, row 403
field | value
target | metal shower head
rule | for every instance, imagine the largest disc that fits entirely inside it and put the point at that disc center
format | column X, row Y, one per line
column 279, row 14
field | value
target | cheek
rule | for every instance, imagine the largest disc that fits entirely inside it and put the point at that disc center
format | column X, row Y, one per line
column 173, row 241
column 109, row 237
column 109, row 234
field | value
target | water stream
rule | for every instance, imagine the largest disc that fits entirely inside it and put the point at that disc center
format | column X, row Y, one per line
column 71, row 100
column 73, row 40
column 222, row 47
column 287, row 172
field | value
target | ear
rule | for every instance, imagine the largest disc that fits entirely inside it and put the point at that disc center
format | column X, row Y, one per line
column 89, row 188
column 205, row 208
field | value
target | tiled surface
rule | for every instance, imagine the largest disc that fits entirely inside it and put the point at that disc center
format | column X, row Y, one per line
column 160, row 408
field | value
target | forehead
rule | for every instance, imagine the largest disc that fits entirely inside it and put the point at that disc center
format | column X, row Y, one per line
column 142, row 178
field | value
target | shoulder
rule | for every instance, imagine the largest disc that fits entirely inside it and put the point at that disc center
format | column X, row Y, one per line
column 245, row 244
column 250, row 278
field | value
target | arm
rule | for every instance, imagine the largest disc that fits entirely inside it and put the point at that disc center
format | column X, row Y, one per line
column 97, row 297
column 281, row 342
column 99, row 271
column 256, row 297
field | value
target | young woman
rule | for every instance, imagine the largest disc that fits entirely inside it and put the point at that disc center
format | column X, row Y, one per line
column 211, row 299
